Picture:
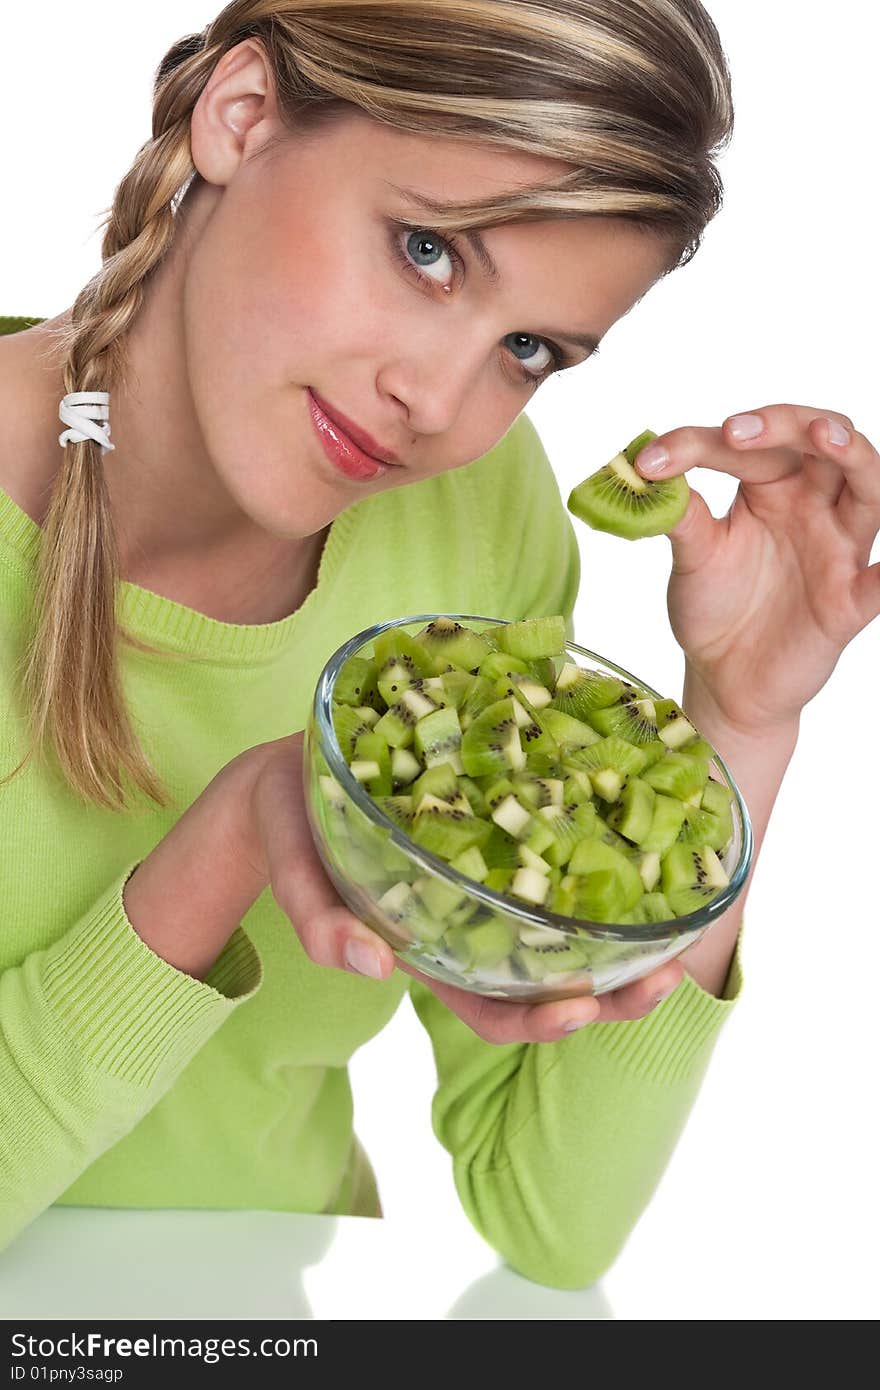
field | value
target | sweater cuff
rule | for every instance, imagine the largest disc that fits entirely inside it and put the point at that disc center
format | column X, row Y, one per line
column 131, row 1012
column 675, row 1039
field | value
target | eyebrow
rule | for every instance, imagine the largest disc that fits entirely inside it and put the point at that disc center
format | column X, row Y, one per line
column 488, row 266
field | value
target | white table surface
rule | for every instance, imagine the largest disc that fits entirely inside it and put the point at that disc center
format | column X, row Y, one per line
column 76, row 1263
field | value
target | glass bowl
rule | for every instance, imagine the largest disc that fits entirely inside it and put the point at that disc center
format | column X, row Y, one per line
column 373, row 865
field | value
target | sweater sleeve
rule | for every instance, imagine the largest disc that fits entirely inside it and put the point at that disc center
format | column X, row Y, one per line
column 94, row 1030
column 558, row 1147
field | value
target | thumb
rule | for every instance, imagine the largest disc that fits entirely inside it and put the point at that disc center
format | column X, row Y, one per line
column 694, row 538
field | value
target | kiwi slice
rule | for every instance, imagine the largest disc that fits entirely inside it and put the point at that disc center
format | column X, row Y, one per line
column 619, row 500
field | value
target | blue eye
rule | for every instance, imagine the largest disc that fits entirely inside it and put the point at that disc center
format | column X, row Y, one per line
column 424, row 250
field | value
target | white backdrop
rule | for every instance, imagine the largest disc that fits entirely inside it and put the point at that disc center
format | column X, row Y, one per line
column 769, row 1207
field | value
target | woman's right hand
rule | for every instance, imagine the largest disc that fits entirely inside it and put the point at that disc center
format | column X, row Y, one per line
column 282, row 851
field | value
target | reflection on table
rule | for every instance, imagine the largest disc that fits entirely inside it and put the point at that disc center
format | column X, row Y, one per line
column 76, row 1262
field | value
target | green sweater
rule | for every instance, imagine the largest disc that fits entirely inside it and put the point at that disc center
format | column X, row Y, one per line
column 126, row 1083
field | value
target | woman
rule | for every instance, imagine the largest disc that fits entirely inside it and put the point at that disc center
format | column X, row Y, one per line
column 295, row 246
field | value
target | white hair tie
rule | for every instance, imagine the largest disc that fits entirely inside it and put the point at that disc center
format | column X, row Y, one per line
column 82, row 410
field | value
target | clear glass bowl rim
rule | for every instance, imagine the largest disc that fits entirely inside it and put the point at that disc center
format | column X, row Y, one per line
column 574, row 926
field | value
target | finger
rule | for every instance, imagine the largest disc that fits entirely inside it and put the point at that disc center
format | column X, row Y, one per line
column 695, row 446
column 775, row 451
column 858, row 501
column 639, row 998
column 331, row 934
column 504, row 1021
column 866, row 594
column 695, row 537
column 842, row 465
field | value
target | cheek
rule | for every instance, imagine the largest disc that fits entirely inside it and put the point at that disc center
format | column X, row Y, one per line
column 252, row 333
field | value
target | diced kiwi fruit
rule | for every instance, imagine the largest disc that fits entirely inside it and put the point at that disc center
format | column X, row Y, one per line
column 533, row 638
column 633, row 813
column 485, row 943
column 677, row 775
column 448, row 643
column 491, row 743
column 559, row 788
column 356, row 683
column 437, row 738
column 619, row 500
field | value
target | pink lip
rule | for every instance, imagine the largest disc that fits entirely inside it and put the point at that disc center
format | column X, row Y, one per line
column 342, row 452
column 363, row 441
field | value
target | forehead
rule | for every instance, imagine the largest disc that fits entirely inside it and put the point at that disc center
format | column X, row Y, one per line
column 475, row 169
column 606, row 262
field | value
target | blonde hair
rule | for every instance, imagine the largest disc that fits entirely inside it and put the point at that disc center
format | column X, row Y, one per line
column 635, row 93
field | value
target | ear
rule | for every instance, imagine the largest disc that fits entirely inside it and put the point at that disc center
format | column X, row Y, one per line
column 235, row 114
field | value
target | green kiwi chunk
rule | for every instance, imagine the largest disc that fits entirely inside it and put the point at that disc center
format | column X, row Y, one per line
column 533, row 638
column 437, row 738
column 449, row 643
column 618, row 884
column 439, row 781
column 691, row 866
column 551, row 958
column 580, row 691
column 396, row 645
column 666, row 822
column 356, row 683
column 446, row 830
column 371, row 764
column 676, row 774
column 651, row 907
column 482, row 944
column 609, row 764
column 491, row 743
column 633, row 720
column 702, row 827
column 617, row 499
column 348, row 725
column 633, row 813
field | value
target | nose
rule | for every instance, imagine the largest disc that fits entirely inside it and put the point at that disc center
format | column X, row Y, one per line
column 437, row 377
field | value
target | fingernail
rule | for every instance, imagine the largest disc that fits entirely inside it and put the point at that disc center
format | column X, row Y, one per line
column 362, row 958
column 745, row 426
column 665, row 993
column 652, row 460
column 577, row 1021
column 836, row 433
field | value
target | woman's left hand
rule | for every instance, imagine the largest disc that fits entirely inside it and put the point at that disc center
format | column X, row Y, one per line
column 764, row 600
